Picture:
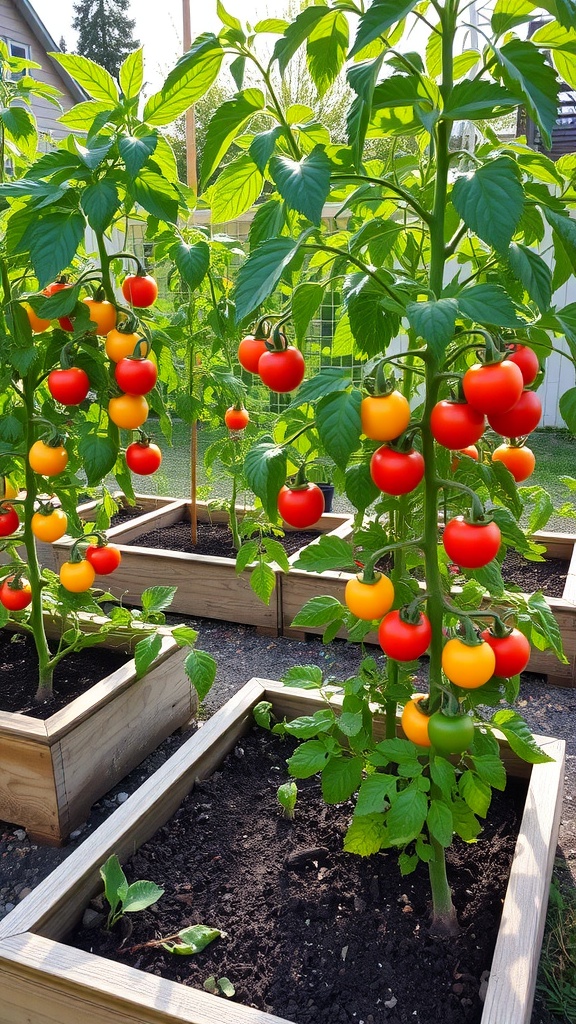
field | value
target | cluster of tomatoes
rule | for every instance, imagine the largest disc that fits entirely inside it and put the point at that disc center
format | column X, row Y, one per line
column 281, row 369
column 78, row 574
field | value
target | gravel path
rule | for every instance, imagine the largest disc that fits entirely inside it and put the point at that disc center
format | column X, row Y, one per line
column 242, row 654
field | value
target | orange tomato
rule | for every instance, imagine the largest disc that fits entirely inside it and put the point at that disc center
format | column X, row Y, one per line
column 415, row 722
column 49, row 526
column 103, row 314
column 128, row 411
column 37, row 324
column 119, row 346
column 77, row 576
column 518, row 461
column 46, row 459
column 384, row 417
column 369, row 600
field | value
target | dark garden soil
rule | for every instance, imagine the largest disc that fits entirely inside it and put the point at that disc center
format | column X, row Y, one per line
column 73, row 676
column 213, row 539
column 548, row 576
column 125, row 514
column 313, row 935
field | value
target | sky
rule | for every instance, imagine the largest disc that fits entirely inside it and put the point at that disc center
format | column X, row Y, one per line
column 158, row 25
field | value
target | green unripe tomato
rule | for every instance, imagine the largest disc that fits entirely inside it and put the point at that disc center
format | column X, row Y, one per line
column 450, row 734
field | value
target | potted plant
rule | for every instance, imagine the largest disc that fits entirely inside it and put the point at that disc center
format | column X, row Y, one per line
column 76, row 366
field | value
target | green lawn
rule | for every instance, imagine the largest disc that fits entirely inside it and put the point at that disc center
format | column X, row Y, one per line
column 555, row 452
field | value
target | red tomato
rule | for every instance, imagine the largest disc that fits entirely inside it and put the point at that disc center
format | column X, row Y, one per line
column 15, row 597
column 493, row 387
column 69, row 386
column 236, row 419
column 136, row 376
column 527, row 360
column 456, row 424
column 519, row 461
column 301, row 507
column 521, row 420
column 282, row 371
column 104, row 558
column 249, row 351
column 402, row 640
column 143, row 458
column 140, row 289
column 9, row 521
column 512, row 652
column 471, row 451
column 396, row 472
column 471, row 545
column 51, row 289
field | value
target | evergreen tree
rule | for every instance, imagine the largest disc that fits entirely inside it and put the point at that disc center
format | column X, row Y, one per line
column 104, row 31
column 62, row 45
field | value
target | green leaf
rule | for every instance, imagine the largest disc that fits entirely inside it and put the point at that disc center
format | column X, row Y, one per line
column 193, row 75
column 439, row 822
column 295, row 34
column 341, row 778
column 365, row 835
column 351, row 722
column 406, row 817
column 306, row 300
column 226, row 124
column 490, row 201
column 533, row 273
column 545, row 624
column 567, row 406
column 52, row 242
column 157, row 599
column 435, row 322
column 276, row 552
column 360, row 487
column 560, row 42
column 527, row 73
column 343, row 342
column 60, row 304
column 519, row 737
column 115, row 881
column 472, row 100
column 397, row 750
column 326, row 553
column 95, row 80
column 184, row 636
column 140, row 895
column 263, row 714
column 326, row 49
column 226, row 987
column 287, row 796
column 265, row 469
column 307, row 726
column 201, row 670
column 443, row 775
column 276, row 26
column 98, row 454
column 227, row 19
column 263, row 581
column 508, row 14
column 263, row 145
column 259, row 275
column 475, row 792
column 131, row 74
column 267, row 223
column 379, row 17
column 83, row 114
column 156, row 195
column 329, row 380
column 236, row 189
column 21, row 128
column 319, row 611
column 375, row 792
column 94, row 154
column 304, row 677
column 362, row 78
column 100, row 202
column 565, row 231
column 308, row 759
column 303, row 184
column 371, row 322
column 488, row 304
column 192, row 261
column 146, row 652
column 136, row 150
column 338, row 423
column 192, row 940
column 491, row 770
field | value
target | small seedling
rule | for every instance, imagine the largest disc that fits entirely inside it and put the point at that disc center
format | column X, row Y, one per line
column 287, row 796
column 122, row 897
column 220, row 987
column 262, row 714
column 186, row 942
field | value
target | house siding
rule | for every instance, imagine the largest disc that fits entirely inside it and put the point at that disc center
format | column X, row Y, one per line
column 14, row 27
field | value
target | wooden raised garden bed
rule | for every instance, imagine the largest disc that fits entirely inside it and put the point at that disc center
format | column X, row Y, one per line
column 207, row 585
column 299, row 587
column 44, row 979
column 53, row 770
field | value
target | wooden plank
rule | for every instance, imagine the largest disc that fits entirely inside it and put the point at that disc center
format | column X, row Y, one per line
column 55, row 905
column 152, row 518
column 569, row 594
column 44, row 982
column 519, row 941
column 27, row 786
column 558, row 545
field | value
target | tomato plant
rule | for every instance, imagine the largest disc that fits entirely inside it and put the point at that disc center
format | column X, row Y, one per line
column 136, row 376
column 384, row 417
column 518, row 459
column 523, row 418
column 301, row 506
column 471, row 545
column 140, row 290
column 143, row 457
column 69, row 386
column 15, row 593
column 396, row 472
column 104, row 558
column 369, row 600
column 456, row 425
column 493, row 388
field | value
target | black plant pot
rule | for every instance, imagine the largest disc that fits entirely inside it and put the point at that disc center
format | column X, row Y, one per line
column 328, row 492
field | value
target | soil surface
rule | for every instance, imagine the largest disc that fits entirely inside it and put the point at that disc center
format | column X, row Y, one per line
column 213, row 539
column 548, row 576
column 297, row 911
column 73, row 676
column 128, row 512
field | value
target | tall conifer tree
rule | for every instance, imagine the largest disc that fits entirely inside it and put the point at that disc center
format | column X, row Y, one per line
column 104, row 31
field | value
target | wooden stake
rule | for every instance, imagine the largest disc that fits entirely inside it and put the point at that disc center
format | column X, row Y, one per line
column 192, row 179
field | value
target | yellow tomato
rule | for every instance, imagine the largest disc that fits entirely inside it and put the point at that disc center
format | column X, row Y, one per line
column 119, row 346
column 384, row 417
column 468, row 665
column 369, row 600
column 128, row 411
column 10, row 491
column 37, row 324
column 46, row 459
column 103, row 314
column 49, row 526
column 77, row 576
column 415, row 722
